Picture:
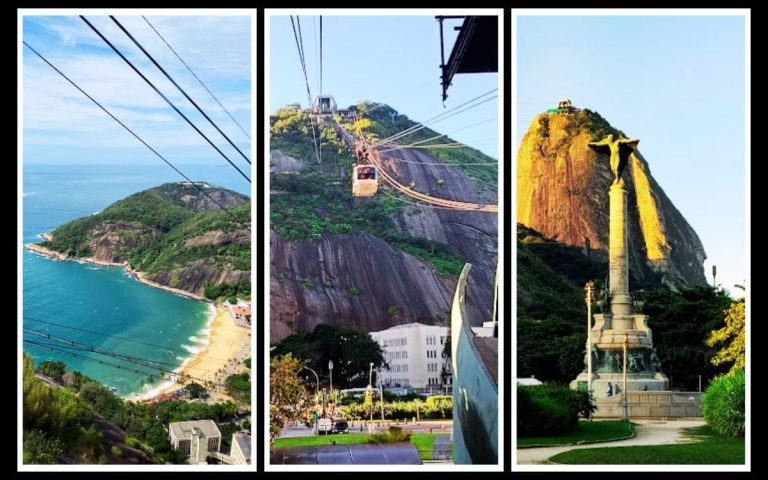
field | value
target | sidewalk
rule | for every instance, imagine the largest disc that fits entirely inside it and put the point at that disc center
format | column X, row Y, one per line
column 648, row 432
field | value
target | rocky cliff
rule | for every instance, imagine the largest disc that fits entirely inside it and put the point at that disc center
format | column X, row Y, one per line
column 562, row 192
column 378, row 262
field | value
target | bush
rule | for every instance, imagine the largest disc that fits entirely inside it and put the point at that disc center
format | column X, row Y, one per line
column 395, row 434
column 723, row 405
column 54, row 369
column 40, row 448
column 550, row 410
column 400, row 410
column 117, row 451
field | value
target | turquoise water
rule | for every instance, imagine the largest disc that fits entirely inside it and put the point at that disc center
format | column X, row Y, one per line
column 90, row 304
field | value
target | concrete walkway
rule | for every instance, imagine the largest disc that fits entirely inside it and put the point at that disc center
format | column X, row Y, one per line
column 647, row 432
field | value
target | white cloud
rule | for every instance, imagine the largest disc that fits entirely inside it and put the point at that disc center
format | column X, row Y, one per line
column 56, row 114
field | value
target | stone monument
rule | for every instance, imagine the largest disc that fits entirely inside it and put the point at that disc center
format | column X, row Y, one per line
column 620, row 323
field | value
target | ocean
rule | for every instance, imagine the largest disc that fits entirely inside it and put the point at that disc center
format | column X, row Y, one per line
column 101, row 308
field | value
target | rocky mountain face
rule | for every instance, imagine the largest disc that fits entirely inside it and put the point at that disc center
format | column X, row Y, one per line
column 371, row 263
column 562, row 192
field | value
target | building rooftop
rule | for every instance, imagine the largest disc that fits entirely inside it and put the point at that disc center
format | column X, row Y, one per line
column 239, row 310
column 409, row 325
column 243, row 440
column 183, row 430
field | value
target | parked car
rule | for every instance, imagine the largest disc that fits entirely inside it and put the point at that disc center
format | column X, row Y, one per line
column 324, row 425
column 340, row 426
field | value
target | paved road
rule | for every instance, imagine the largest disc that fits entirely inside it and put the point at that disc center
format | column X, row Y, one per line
column 648, row 432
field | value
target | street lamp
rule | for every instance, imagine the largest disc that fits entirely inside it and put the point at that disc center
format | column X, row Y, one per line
column 590, row 297
column 330, row 369
column 317, row 378
column 370, row 391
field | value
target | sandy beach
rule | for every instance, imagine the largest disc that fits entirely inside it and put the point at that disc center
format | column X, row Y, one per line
column 228, row 345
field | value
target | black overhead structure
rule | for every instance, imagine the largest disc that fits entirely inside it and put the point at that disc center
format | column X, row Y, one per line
column 475, row 51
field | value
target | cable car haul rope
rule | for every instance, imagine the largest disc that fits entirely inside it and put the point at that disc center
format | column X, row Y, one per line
column 367, row 153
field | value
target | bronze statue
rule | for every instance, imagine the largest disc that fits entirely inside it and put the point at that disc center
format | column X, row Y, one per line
column 619, row 149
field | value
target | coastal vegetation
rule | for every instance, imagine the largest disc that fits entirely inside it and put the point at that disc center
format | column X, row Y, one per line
column 65, row 423
column 173, row 234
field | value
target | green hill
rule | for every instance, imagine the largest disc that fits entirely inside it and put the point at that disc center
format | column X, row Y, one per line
column 173, row 234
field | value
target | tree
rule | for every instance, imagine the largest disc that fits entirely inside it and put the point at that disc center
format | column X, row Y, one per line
column 195, row 390
column 53, row 369
column 732, row 336
column 287, row 396
column 351, row 350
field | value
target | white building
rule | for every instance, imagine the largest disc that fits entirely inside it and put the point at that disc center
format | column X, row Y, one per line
column 414, row 353
column 195, row 438
column 241, row 448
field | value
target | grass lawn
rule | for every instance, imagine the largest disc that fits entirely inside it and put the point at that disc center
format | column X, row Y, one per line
column 586, row 432
column 710, row 449
column 422, row 441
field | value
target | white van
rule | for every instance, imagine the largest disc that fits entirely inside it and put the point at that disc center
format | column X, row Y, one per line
column 324, row 425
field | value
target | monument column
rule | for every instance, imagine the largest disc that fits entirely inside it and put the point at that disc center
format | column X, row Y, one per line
column 621, row 302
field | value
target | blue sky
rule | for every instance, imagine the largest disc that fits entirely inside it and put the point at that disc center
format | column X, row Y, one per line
column 381, row 59
column 677, row 84
column 62, row 126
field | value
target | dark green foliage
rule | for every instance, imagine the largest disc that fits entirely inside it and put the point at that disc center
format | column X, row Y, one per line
column 195, row 390
column 681, row 324
column 350, row 349
column 724, row 406
column 53, row 369
column 394, row 434
column 239, row 386
column 240, row 289
column 550, row 304
column 227, row 429
column 56, row 423
column 247, row 362
column 550, row 409
column 40, row 448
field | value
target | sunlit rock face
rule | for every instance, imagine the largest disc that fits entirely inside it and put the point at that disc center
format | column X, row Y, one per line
column 561, row 192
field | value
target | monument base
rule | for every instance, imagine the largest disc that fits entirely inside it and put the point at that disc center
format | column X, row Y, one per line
column 655, row 405
column 636, row 382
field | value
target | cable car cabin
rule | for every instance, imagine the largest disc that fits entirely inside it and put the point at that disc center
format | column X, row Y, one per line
column 324, row 105
column 365, row 181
